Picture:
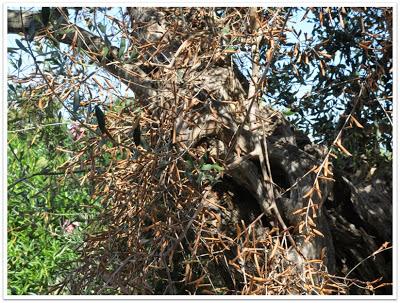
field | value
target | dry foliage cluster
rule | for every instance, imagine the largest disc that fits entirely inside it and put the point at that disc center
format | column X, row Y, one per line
column 176, row 219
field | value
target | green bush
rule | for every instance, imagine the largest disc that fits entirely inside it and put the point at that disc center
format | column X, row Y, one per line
column 42, row 205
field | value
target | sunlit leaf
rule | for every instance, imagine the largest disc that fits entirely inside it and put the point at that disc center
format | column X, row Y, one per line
column 104, row 51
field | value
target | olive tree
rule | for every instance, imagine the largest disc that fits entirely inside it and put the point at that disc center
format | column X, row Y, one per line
column 248, row 158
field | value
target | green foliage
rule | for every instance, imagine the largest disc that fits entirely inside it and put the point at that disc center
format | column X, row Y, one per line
column 44, row 209
column 202, row 172
column 320, row 68
column 288, row 112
